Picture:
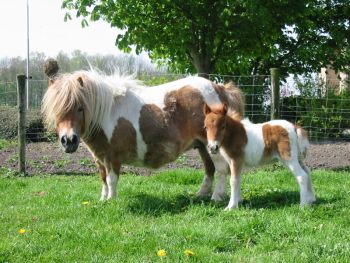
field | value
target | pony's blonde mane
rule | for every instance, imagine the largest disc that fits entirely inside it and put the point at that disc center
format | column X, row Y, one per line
column 96, row 96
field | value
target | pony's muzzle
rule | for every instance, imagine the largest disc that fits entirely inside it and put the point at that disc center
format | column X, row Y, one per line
column 213, row 147
column 70, row 144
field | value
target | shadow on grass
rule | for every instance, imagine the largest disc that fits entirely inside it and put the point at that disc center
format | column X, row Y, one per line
column 156, row 206
column 341, row 169
column 277, row 200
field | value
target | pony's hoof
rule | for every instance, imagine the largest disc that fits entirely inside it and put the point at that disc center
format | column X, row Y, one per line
column 202, row 194
column 217, row 197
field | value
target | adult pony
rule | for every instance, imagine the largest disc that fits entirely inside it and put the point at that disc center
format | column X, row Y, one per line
column 244, row 143
column 122, row 121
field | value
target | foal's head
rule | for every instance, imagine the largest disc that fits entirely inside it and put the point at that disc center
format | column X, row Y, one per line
column 215, row 125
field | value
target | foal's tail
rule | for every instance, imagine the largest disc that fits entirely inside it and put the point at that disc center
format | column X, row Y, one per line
column 303, row 142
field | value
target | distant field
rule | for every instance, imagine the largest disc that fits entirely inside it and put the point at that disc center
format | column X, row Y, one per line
column 59, row 219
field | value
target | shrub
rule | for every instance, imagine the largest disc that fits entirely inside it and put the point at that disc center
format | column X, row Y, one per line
column 9, row 124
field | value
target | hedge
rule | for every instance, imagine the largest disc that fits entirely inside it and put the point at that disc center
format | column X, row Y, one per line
column 9, row 124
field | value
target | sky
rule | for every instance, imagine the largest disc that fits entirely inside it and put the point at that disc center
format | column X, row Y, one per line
column 48, row 32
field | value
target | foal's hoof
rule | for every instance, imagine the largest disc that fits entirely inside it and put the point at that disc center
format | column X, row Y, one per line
column 229, row 208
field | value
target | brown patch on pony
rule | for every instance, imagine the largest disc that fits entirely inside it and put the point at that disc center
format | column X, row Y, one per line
column 233, row 97
column 124, row 150
column 117, row 151
column 159, row 133
column 184, row 108
column 276, row 139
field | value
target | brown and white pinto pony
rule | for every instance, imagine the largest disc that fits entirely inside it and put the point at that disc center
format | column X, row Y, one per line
column 242, row 143
column 123, row 122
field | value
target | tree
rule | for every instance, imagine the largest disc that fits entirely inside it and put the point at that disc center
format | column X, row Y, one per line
column 207, row 36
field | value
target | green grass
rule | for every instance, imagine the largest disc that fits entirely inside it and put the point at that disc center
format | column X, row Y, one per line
column 64, row 222
column 4, row 144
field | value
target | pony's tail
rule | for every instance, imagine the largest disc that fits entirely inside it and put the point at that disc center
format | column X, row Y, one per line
column 235, row 100
column 303, row 142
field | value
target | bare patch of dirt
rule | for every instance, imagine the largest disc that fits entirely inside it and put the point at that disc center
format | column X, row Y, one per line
column 49, row 158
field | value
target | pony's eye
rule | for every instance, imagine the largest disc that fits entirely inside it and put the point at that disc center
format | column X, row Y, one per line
column 205, row 128
column 80, row 109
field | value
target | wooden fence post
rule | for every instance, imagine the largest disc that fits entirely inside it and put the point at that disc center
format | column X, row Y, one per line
column 21, row 104
column 275, row 93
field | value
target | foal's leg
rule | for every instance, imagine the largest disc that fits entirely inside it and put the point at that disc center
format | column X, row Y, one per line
column 307, row 195
column 209, row 170
column 235, row 183
column 112, row 179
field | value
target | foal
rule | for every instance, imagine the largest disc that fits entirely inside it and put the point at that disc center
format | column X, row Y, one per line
column 244, row 143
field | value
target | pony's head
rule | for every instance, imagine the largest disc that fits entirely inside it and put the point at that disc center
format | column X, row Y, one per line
column 215, row 125
column 71, row 108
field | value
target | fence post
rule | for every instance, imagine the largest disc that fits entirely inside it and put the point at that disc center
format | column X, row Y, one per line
column 21, row 104
column 275, row 93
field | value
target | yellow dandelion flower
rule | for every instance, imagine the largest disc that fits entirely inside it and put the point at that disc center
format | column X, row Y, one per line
column 22, row 231
column 161, row 253
column 85, row 202
column 189, row 253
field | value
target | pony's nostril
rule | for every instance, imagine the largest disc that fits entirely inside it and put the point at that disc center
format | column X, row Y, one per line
column 74, row 139
column 64, row 140
column 216, row 147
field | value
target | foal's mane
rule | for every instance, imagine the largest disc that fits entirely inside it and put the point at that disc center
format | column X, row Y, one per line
column 95, row 92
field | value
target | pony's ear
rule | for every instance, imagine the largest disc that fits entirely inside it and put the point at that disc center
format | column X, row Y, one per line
column 225, row 108
column 80, row 80
column 206, row 109
column 51, row 82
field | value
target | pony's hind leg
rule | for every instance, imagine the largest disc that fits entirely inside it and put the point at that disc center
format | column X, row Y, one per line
column 307, row 195
column 209, row 170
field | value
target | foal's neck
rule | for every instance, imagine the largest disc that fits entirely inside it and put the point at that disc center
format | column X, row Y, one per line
column 235, row 137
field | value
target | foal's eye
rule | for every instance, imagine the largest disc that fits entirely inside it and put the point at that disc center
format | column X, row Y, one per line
column 205, row 128
column 80, row 109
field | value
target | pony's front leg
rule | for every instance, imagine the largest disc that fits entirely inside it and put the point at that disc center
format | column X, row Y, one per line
column 103, row 174
column 112, row 179
column 235, row 183
column 109, row 187
column 209, row 171
column 222, row 169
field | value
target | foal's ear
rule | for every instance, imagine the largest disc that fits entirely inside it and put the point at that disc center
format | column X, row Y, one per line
column 206, row 109
column 80, row 80
column 225, row 108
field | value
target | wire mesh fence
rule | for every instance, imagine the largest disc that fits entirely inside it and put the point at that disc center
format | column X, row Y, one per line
column 325, row 114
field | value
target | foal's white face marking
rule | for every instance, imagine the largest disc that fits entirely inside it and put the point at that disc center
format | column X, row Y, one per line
column 215, row 125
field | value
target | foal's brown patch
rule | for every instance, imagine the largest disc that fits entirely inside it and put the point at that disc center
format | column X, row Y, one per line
column 276, row 139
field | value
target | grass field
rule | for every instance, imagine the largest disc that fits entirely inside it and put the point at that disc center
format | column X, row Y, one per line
column 59, row 219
